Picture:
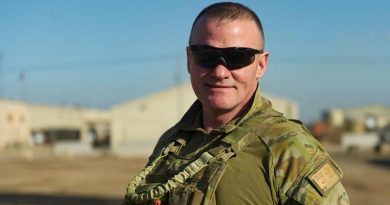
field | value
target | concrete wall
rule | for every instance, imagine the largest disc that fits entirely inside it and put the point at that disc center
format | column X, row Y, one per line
column 14, row 123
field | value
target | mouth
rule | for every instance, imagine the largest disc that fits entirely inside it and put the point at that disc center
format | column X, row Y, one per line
column 218, row 86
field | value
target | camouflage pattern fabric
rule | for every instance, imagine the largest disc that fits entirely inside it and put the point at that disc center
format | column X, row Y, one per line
column 282, row 164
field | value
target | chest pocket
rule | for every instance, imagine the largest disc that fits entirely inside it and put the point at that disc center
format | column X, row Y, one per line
column 167, row 168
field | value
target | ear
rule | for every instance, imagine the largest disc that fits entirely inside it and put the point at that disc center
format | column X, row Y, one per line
column 262, row 65
column 188, row 59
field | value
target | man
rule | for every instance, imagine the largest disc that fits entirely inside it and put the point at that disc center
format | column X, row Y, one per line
column 231, row 147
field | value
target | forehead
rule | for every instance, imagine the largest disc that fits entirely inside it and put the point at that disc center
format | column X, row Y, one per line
column 227, row 33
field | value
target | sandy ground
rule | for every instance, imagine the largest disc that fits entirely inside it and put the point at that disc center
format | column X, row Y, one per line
column 39, row 178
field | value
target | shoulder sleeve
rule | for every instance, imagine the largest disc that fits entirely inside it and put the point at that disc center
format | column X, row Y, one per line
column 303, row 172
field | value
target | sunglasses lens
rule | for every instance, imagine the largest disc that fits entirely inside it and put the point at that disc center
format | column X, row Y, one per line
column 207, row 58
column 238, row 58
column 232, row 58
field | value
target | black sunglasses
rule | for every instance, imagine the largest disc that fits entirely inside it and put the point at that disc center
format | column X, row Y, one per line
column 232, row 57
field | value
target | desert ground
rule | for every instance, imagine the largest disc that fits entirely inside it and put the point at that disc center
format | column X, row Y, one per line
column 37, row 177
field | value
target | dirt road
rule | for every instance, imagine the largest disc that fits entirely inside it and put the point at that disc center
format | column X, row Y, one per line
column 102, row 180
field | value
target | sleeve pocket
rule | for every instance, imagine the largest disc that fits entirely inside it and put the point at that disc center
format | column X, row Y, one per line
column 316, row 185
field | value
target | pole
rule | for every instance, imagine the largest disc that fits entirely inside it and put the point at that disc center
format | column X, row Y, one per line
column 22, row 79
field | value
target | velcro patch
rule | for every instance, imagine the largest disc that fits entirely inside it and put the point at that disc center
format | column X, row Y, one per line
column 325, row 177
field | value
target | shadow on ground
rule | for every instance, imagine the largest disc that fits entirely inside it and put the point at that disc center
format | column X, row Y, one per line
column 42, row 199
column 381, row 162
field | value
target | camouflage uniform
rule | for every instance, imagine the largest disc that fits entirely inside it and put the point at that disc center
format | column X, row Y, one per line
column 274, row 161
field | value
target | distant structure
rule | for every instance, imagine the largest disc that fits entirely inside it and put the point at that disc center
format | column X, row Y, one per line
column 14, row 124
column 136, row 125
column 359, row 119
column 131, row 128
column 23, row 124
column 64, row 123
column 361, row 128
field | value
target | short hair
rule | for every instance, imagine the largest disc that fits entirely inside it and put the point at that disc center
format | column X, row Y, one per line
column 229, row 11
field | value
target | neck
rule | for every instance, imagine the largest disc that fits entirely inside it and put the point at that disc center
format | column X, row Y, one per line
column 213, row 119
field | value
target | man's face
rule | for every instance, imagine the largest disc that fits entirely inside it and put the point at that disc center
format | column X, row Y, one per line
column 221, row 89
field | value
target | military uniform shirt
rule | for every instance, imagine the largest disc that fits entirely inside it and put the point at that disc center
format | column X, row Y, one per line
column 285, row 165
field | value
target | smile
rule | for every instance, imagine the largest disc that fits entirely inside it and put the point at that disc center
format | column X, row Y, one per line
column 219, row 86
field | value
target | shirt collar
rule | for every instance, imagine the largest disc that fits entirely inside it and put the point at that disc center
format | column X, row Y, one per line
column 192, row 120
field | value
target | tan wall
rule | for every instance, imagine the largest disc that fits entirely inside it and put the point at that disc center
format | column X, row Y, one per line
column 141, row 122
column 44, row 117
column 60, row 117
column 137, row 125
column 14, row 123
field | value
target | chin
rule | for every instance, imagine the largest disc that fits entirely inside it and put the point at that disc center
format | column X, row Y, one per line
column 221, row 105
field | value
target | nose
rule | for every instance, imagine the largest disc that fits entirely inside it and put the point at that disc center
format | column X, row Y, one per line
column 220, row 72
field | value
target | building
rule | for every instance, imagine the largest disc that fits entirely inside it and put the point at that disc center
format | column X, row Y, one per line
column 130, row 128
column 360, row 119
column 136, row 125
column 14, row 124
column 64, row 123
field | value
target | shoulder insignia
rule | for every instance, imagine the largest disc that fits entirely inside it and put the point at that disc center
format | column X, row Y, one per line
column 324, row 178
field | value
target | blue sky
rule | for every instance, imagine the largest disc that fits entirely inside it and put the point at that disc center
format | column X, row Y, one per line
column 99, row 53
